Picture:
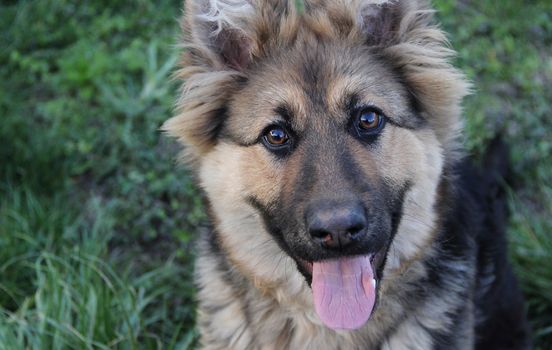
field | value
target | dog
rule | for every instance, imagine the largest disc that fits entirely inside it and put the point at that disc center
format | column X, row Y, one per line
column 343, row 212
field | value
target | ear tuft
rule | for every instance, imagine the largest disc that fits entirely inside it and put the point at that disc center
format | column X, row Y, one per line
column 219, row 31
column 225, row 13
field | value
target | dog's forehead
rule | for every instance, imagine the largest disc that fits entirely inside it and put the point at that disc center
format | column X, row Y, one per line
column 318, row 80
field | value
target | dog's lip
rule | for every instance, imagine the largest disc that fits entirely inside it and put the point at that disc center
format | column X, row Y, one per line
column 307, row 265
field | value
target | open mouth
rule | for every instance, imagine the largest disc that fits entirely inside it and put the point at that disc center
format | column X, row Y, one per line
column 345, row 289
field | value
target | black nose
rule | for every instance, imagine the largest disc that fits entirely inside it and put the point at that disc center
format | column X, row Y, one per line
column 336, row 226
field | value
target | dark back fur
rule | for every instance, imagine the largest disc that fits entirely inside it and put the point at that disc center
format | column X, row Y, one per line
column 501, row 322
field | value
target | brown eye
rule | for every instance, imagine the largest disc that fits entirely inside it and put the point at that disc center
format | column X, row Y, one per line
column 276, row 136
column 370, row 120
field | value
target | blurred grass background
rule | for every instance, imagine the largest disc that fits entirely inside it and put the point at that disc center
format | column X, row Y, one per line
column 96, row 218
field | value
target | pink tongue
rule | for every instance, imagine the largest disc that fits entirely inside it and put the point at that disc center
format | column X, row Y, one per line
column 343, row 292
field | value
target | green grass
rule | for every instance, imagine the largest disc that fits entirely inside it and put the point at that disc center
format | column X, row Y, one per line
column 59, row 292
column 96, row 219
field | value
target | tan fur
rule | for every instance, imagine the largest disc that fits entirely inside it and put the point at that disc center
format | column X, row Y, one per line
column 279, row 312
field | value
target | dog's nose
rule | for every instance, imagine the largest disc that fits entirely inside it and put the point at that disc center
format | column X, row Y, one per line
column 336, row 226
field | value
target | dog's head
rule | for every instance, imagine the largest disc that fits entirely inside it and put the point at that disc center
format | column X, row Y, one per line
column 319, row 138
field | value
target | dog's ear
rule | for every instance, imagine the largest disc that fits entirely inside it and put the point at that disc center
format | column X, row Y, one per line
column 378, row 22
column 230, row 33
column 218, row 31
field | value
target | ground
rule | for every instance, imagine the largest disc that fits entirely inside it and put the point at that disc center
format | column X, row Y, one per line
column 96, row 219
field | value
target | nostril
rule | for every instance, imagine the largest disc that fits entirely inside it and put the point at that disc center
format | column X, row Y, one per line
column 319, row 233
column 321, row 236
column 356, row 231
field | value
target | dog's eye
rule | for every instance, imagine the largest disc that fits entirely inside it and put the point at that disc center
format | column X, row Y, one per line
column 276, row 136
column 370, row 121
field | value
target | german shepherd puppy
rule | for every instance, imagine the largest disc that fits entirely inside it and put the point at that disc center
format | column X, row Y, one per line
column 328, row 146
